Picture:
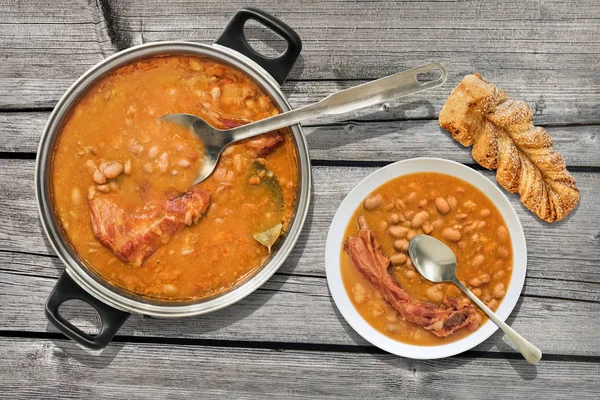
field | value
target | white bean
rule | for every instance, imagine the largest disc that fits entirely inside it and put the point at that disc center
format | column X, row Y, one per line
column 397, row 231
column 442, row 205
column 372, row 202
column 451, row 234
column 163, row 162
column 419, row 218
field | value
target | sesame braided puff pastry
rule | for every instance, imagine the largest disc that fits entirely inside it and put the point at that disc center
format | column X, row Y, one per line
column 504, row 138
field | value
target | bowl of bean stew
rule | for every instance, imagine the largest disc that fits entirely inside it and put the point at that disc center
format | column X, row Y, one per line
column 374, row 283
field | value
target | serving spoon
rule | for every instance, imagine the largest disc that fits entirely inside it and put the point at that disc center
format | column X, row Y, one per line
column 361, row 96
column 436, row 262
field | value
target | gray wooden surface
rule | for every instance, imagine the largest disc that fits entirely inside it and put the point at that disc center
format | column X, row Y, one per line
column 288, row 339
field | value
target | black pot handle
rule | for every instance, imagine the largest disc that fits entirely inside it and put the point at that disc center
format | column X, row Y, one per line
column 234, row 38
column 111, row 318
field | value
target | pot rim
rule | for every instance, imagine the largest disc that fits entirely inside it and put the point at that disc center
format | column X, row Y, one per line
column 101, row 288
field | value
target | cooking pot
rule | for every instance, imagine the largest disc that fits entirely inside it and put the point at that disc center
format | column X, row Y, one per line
column 78, row 281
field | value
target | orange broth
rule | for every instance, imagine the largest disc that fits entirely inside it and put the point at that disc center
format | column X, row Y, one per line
column 116, row 119
column 484, row 252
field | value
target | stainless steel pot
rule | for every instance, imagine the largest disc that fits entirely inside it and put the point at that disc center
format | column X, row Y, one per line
column 78, row 281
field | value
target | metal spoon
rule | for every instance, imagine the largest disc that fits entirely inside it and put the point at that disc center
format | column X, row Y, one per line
column 365, row 95
column 436, row 262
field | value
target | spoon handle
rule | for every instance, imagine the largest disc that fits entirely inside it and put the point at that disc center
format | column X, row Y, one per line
column 531, row 353
column 361, row 96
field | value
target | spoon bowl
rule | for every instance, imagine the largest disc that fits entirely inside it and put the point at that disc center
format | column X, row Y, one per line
column 437, row 263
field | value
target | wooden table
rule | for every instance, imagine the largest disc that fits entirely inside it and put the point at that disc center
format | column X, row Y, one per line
column 288, row 339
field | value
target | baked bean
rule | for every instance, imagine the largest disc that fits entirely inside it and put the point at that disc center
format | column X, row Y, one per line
column 104, row 188
column 384, row 225
column 461, row 216
column 476, row 292
column 401, row 245
column 469, row 205
column 113, row 169
column 153, row 152
column 184, row 163
column 437, row 223
column 452, row 202
column 468, row 229
column 503, row 252
column 409, row 263
column 76, row 197
column 393, row 219
column 98, row 177
column 481, row 225
column 451, row 234
column 462, row 244
column 435, row 294
column 393, row 328
column 397, row 231
column 389, row 207
column 398, row 259
column 372, row 202
column 163, row 162
column 493, row 304
column 485, row 212
column 423, row 203
column 127, row 167
column 412, row 196
column 359, row 293
column 148, row 168
column 409, row 214
column 376, row 309
column 499, row 291
column 392, row 316
column 499, row 274
column 419, row 218
column 477, row 260
column 475, row 282
column 485, row 277
column 442, row 205
column 427, row 228
column 411, row 235
column 502, row 234
column 400, row 204
column 410, row 274
column 486, row 297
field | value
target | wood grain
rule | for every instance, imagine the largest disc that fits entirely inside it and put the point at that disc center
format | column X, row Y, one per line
column 287, row 309
column 378, row 141
column 558, row 311
column 572, row 262
column 520, row 54
column 174, row 371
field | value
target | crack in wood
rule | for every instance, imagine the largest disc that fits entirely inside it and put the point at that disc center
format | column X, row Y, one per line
column 118, row 39
column 284, row 346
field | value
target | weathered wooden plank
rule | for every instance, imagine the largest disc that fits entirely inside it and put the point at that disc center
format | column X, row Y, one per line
column 519, row 57
column 354, row 141
column 174, row 371
column 287, row 309
column 567, row 251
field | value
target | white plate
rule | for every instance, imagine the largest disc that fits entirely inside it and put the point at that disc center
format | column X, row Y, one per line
column 354, row 200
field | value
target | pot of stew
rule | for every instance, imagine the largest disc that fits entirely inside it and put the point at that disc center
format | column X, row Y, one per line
column 114, row 183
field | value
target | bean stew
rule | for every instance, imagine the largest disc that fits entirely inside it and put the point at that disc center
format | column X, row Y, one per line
column 122, row 179
column 448, row 209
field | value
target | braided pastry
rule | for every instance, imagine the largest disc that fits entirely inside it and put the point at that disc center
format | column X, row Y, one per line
column 504, row 138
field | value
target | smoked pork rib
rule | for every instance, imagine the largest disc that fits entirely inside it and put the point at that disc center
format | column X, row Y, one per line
column 135, row 237
column 263, row 144
column 367, row 257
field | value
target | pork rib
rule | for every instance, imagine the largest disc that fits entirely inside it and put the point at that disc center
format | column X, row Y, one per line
column 367, row 257
column 263, row 144
column 135, row 237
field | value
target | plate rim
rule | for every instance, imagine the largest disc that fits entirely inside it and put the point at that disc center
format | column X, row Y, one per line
column 334, row 244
